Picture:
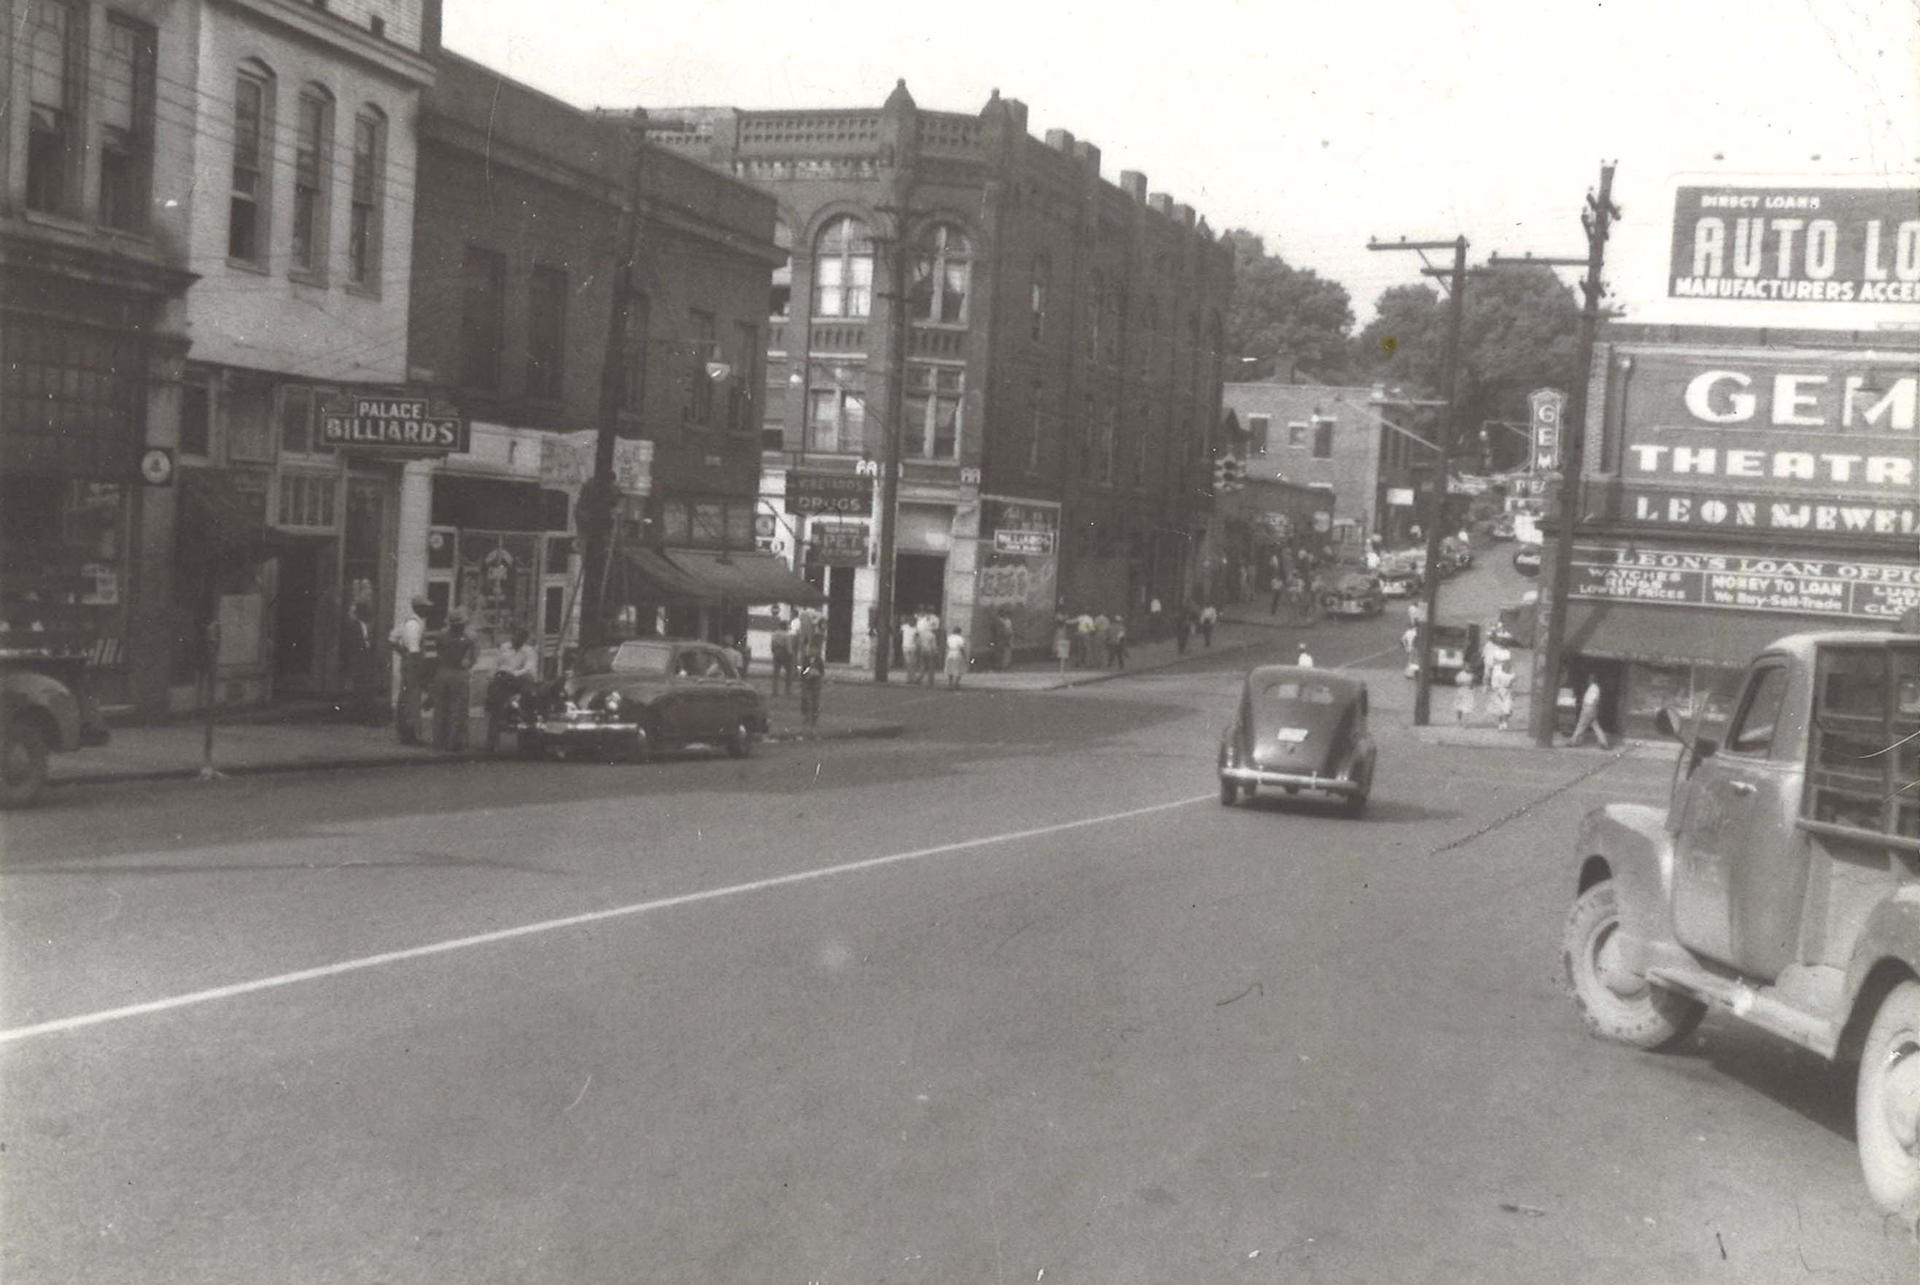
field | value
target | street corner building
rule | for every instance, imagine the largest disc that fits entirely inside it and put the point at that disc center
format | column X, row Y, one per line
column 1745, row 481
column 1043, row 347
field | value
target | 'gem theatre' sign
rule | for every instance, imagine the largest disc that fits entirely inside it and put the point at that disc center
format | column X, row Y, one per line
column 1815, row 442
column 1790, row 244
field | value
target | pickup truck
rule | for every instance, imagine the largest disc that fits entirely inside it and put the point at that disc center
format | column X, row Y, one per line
column 1781, row 885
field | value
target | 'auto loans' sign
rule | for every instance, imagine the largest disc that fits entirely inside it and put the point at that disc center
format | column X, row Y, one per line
column 1819, row 442
column 1796, row 244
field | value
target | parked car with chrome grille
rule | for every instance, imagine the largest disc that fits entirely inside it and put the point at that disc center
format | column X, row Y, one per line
column 643, row 695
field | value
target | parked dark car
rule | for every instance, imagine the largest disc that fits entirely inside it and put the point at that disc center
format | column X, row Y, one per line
column 1299, row 729
column 642, row 695
column 1353, row 593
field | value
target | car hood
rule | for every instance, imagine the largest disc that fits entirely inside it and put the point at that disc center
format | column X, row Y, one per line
column 1296, row 736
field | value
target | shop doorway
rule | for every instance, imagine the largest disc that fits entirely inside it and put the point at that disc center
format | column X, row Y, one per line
column 840, row 615
column 919, row 583
column 303, row 578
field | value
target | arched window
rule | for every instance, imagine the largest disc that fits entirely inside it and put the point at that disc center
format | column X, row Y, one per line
column 249, row 207
column 312, row 175
column 780, row 302
column 1037, row 295
column 941, row 269
column 369, row 179
column 843, row 270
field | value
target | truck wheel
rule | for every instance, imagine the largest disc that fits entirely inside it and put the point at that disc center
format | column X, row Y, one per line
column 1887, row 1104
column 23, row 763
column 1614, row 1003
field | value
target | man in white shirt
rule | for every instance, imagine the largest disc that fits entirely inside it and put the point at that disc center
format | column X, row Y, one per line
column 520, row 661
column 408, row 640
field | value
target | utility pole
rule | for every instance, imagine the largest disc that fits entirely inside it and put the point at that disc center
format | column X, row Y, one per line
column 1597, row 219
column 597, row 497
column 887, row 519
column 1436, row 507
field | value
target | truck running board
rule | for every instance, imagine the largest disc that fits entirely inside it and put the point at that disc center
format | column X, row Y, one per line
column 1761, row 1006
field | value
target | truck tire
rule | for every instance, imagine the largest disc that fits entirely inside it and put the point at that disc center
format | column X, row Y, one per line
column 1617, row 1005
column 1887, row 1104
column 23, row 762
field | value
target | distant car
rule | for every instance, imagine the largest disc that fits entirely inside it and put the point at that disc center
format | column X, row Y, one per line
column 642, row 695
column 1502, row 528
column 1456, row 554
column 1400, row 575
column 1354, row 593
column 1452, row 648
column 1527, row 560
column 1299, row 729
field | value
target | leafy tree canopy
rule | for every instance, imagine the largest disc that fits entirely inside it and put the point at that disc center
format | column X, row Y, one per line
column 1520, row 331
column 1284, row 318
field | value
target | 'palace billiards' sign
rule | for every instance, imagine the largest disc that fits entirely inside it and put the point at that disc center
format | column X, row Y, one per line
column 397, row 426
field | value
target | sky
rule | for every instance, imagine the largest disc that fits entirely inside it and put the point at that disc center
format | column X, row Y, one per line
column 1315, row 124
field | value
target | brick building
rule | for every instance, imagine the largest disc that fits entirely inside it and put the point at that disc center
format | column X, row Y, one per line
column 517, row 244
column 1343, row 439
column 1057, row 379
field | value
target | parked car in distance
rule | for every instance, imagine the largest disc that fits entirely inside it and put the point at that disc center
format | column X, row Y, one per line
column 643, row 695
column 1452, row 648
column 1502, row 528
column 1780, row 885
column 1455, row 554
column 1299, row 729
column 1354, row 593
column 1400, row 574
column 1526, row 560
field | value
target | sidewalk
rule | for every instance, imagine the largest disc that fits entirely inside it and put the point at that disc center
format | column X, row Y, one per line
column 174, row 751
column 1049, row 676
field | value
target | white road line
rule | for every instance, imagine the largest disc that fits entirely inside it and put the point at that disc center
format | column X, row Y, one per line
column 1372, row 655
column 237, row 989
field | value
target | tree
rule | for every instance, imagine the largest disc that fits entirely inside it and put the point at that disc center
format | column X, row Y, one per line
column 1284, row 320
column 1520, row 331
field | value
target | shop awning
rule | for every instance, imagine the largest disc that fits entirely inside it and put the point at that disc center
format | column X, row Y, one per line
column 744, row 579
column 1680, row 635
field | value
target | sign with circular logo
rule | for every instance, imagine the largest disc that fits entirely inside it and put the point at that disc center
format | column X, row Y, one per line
column 156, row 466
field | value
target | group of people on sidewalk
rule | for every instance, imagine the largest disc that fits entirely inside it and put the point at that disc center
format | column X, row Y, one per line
column 434, row 669
column 799, row 652
column 926, row 650
column 1096, row 640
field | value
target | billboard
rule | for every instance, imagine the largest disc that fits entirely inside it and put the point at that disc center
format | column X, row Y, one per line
column 1781, row 243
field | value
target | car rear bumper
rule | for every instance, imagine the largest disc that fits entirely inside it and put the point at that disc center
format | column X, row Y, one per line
column 1290, row 780
column 556, row 729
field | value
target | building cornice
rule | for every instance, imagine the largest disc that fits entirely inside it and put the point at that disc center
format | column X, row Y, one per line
column 342, row 37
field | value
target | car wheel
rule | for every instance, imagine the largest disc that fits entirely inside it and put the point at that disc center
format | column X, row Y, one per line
column 1887, row 1104
column 1614, row 1003
column 528, row 745
column 739, row 740
column 23, row 763
column 1229, row 792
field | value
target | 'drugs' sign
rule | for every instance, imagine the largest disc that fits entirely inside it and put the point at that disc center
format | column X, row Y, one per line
column 1796, row 244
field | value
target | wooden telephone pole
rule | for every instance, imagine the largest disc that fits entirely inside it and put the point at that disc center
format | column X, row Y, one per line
column 1435, row 509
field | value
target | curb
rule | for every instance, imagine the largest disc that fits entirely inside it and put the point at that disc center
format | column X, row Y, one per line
column 1428, row 736
column 1108, row 676
column 865, row 731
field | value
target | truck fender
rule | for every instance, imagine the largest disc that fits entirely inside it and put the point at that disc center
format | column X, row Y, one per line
column 1887, row 951
column 1629, row 844
column 26, row 691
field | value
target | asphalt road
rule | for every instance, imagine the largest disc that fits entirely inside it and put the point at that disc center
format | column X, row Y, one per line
column 1010, row 999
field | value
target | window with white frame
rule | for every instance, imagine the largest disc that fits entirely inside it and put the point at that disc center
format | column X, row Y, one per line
column 307, row 501
column 312, row 165
column 363, row 225
column 843, row 269
column 941, row 269
column 836, row 418
column 933, row 409
column 247, row 211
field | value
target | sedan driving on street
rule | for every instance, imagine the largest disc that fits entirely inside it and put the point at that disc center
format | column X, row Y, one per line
column 1299, row 729
column 641, row 695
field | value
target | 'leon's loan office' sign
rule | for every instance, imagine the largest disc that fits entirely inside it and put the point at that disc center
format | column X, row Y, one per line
column 1873, row 592
column 407, row 426
column 1792, row 244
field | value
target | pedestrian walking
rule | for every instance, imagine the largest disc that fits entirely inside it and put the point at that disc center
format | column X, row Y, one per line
column 1501, row 685
column 1117, row 643
column 1082, row 640
column 813, row 676
column 450, row 690
column 1209, row 617
column 744, row 650
column 1155, row 623
column 1003, row 639
column 926, row 641
column 1463, row 695
column 1182, row 629
column 1305, row 659
column 1277, row 585
column 358, row 661
column 409, row 642
column 780, row 648
column 908, row 646
column 956, row 662
column 1589, row 717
